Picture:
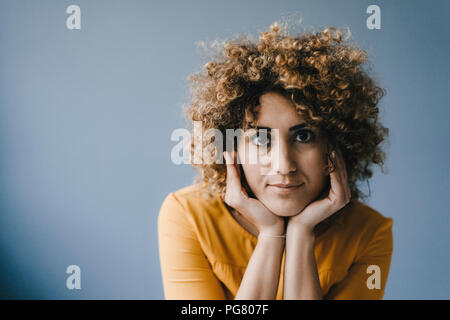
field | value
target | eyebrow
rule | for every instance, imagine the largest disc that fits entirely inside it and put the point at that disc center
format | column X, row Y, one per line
column 296, row 127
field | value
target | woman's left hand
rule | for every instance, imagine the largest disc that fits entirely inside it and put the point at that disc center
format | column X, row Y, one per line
column 338, row 197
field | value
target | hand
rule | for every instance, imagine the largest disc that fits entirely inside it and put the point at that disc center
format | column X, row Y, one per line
column 252, row 209
column 338, row 197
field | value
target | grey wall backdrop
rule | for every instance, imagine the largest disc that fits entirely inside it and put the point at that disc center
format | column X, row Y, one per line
column 86, row 117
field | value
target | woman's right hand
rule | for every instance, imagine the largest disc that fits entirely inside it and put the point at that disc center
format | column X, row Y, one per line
column 252, row 209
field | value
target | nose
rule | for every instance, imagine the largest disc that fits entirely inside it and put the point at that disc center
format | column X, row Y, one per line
column 284, row 163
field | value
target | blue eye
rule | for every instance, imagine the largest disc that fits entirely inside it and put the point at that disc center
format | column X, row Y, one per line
column 304, row 136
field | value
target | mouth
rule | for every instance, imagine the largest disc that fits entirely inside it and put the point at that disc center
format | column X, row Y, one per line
column 285, row 188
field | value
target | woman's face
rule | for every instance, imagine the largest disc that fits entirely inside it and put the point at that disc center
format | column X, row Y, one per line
column 292, row 174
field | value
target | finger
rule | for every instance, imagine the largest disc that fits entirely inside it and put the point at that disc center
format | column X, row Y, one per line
column 337, row 165
column 238, row 170
column 232, row 175
column 341, row 163
column 343, row 170
column 336, row 181
column 234, row 186
column 339, row 177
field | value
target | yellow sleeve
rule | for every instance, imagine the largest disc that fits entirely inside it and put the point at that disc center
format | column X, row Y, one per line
column 360, row 277
column 186, row 273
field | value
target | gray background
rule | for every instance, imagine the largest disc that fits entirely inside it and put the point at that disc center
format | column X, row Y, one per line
column 86, row 117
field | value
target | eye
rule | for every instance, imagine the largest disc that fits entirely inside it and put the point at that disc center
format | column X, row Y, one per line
column 304, row 136
column 260, row 140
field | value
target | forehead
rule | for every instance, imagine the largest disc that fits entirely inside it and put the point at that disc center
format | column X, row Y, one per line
column 277, row 111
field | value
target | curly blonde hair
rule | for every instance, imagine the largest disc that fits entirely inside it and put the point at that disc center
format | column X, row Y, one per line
column 322, row 75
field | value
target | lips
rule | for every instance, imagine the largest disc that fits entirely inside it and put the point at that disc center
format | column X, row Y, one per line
column 285, row 188
column 285, row 185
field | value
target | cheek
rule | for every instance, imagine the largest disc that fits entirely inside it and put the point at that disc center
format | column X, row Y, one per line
column 313, row 163
column 312, row 169
column 252, row 174
column 316, row 171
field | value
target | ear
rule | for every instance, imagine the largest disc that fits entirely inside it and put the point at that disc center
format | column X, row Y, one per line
column 328, row 159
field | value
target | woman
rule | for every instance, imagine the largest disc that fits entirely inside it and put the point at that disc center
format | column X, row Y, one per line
column 290, row 225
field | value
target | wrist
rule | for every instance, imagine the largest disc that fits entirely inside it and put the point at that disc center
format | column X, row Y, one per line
column 271, row 236
column 300, row 230
column 275, row 231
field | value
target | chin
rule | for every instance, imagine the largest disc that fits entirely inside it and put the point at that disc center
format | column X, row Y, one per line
column 283, row 209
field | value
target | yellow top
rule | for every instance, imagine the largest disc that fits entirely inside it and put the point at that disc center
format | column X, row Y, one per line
column 204, row 251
